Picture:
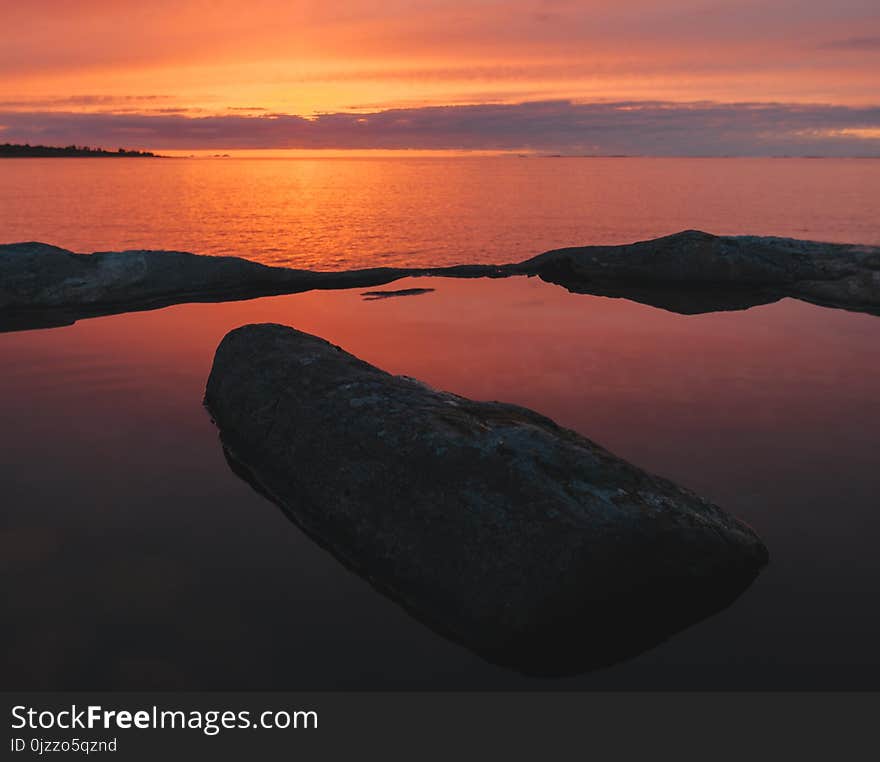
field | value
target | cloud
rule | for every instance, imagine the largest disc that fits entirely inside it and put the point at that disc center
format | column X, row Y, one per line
column 310, row 54
column 95, row 102
column 627, row 127
column 855, row 43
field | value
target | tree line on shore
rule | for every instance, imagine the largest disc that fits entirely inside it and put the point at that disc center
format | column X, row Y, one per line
column 15, row 150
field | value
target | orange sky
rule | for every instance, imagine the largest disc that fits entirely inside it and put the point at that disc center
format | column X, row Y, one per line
column 219, row 57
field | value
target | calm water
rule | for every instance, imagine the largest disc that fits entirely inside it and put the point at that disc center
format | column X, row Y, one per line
column 338, row 213
column 133, row 557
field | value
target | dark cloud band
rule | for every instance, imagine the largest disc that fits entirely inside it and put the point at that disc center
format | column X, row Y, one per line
column 635, row 127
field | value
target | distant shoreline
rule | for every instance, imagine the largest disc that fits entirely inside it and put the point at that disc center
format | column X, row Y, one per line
column 27, row 151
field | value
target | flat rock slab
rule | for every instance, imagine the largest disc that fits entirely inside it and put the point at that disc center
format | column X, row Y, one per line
column 518, row 538
column 42, row 284
column 693, row 271
column 689, row 272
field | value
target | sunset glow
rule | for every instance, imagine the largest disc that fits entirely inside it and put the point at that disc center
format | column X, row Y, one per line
column 239, row 64
column 497, row 349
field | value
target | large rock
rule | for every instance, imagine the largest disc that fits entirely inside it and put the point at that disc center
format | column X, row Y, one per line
column 522, row 540
column 694, row 271
column 43, row 285
column 37, row 275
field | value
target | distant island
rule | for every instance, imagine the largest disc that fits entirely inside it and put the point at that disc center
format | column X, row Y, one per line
column 16, row 151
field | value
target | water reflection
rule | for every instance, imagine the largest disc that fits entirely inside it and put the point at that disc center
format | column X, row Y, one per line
column 590, row 633
column 697, row 300
column 132, row 557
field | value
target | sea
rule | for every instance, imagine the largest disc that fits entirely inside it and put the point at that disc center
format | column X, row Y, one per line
column 134, row 558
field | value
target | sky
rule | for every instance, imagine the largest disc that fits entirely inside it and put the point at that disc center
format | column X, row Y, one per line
column 659, row 77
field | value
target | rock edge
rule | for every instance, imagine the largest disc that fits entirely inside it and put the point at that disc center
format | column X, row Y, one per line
column 688, row 272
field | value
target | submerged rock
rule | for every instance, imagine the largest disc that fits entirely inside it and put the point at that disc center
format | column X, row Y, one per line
column 522, row 540
column 372, row 296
